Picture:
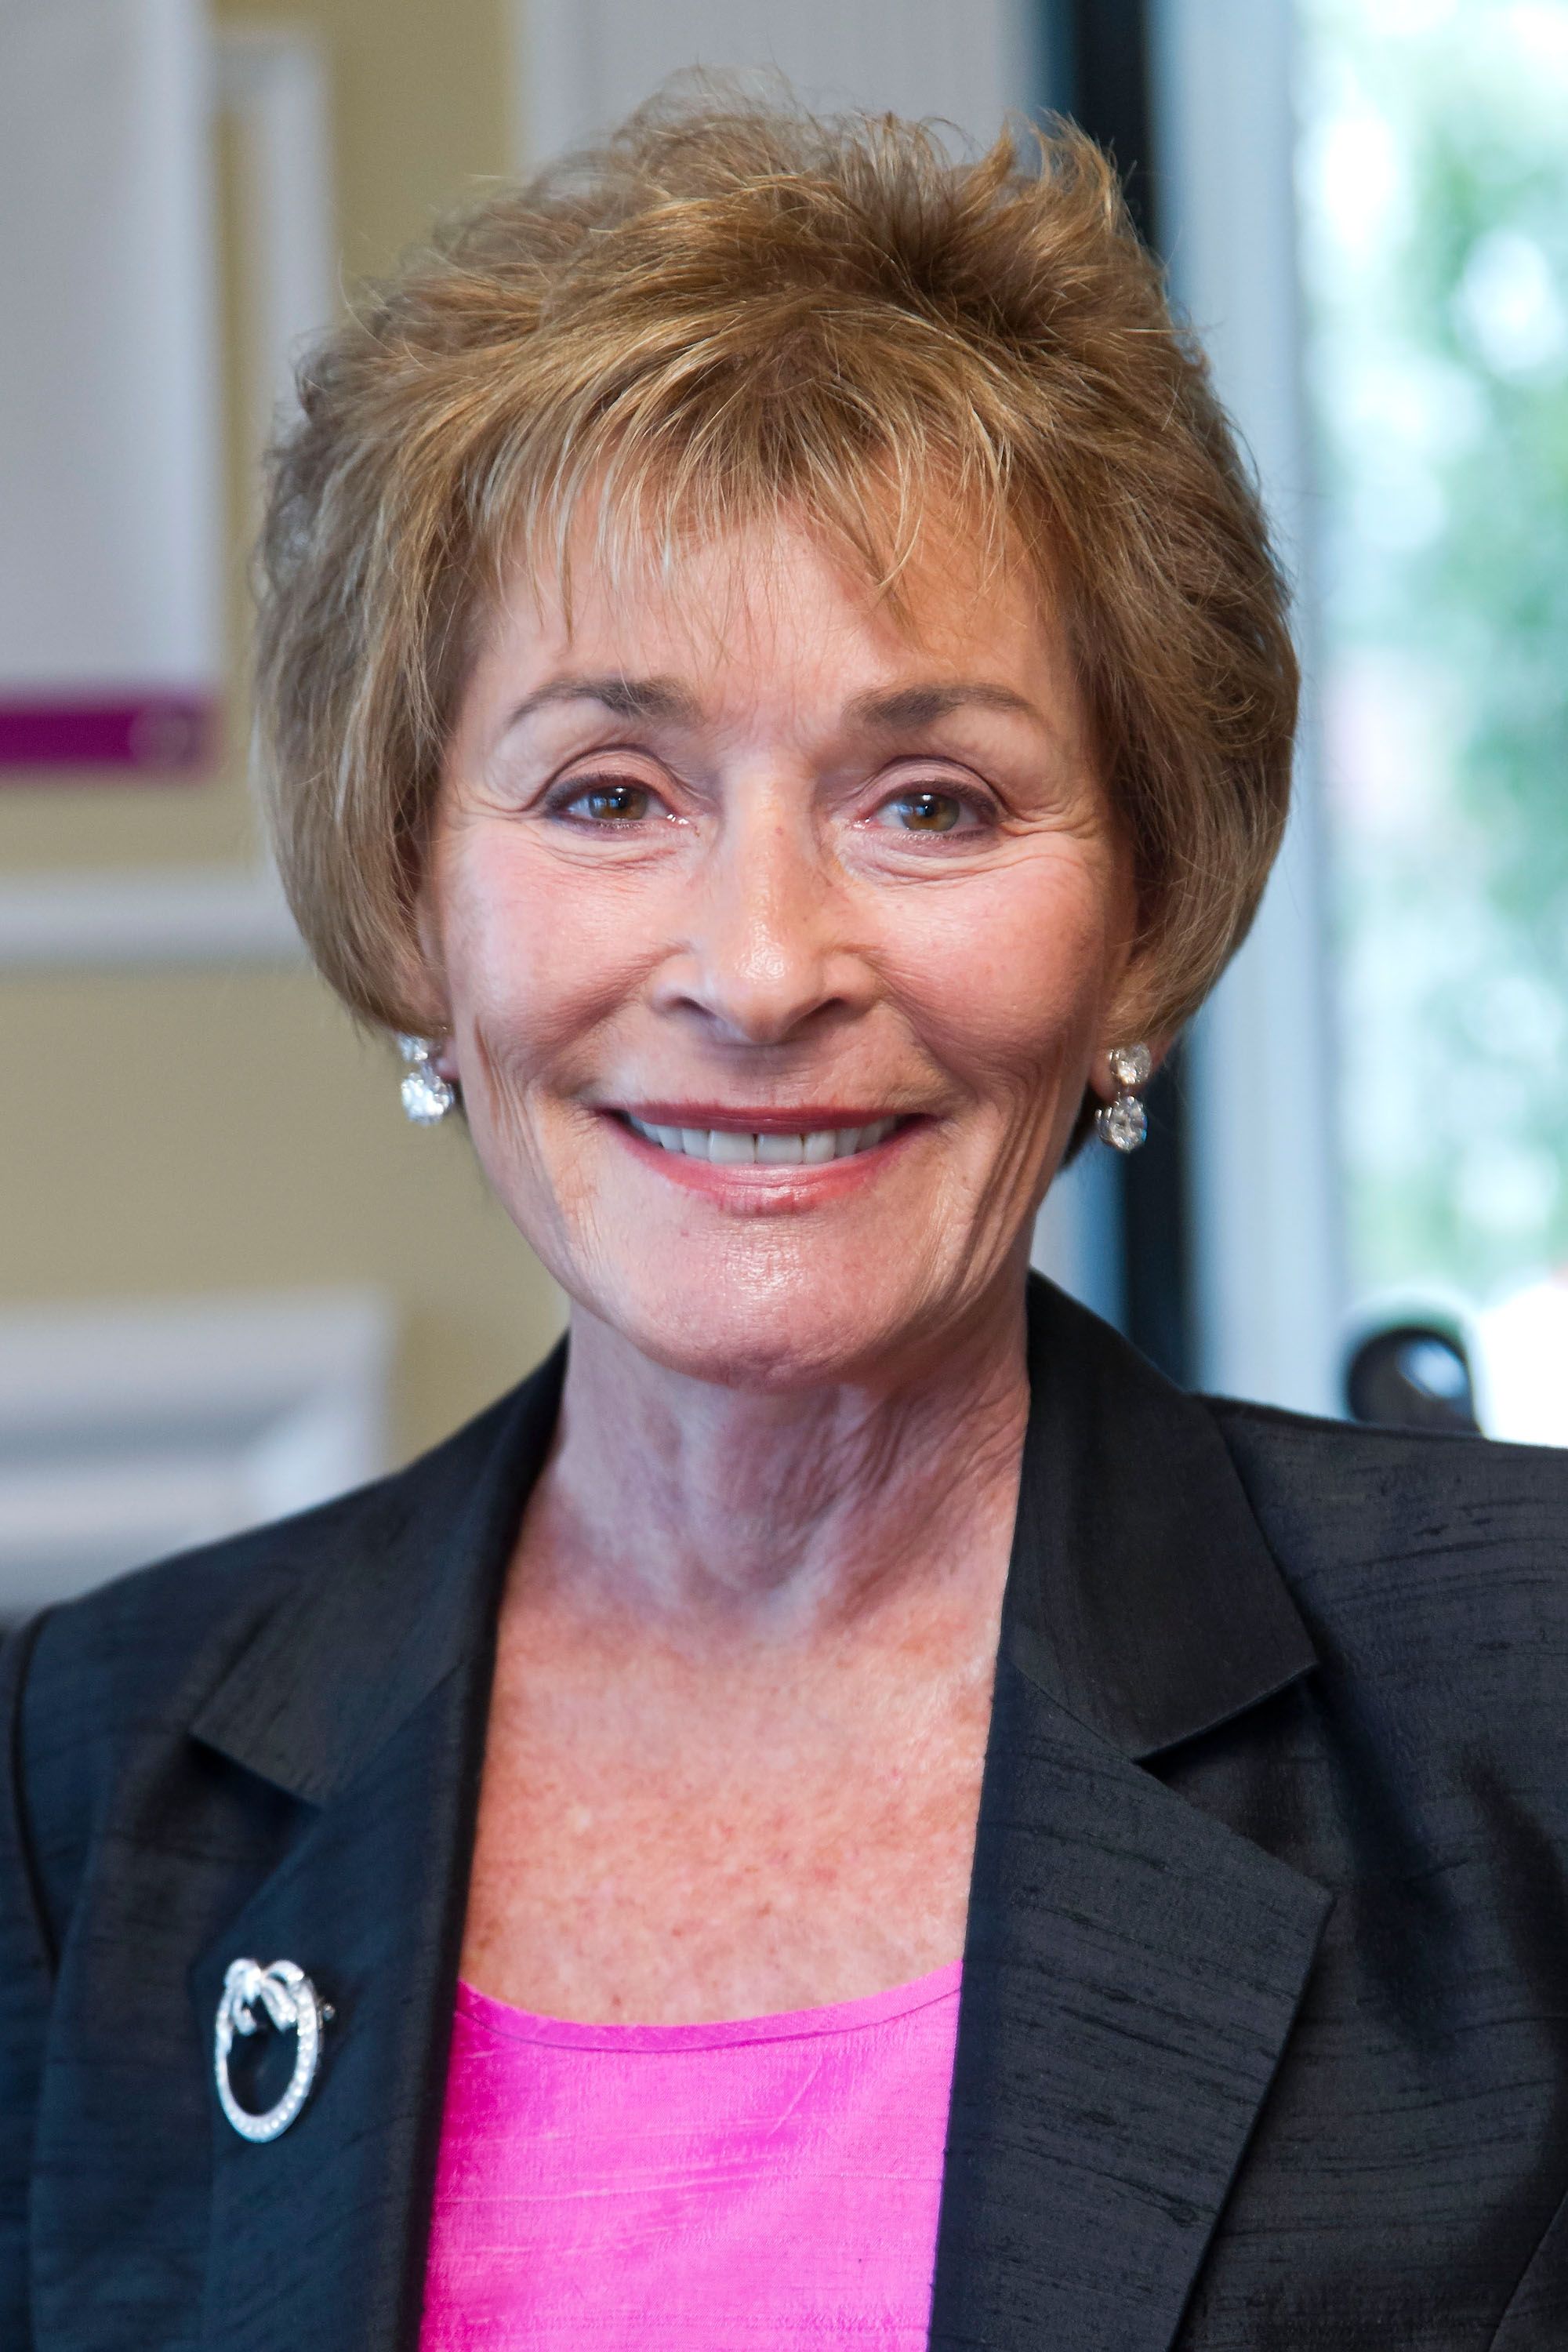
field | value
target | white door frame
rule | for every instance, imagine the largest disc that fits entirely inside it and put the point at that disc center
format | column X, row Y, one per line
column 1270, row 1262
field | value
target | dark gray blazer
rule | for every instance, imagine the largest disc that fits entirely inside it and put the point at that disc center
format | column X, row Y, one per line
column 1263, row 2042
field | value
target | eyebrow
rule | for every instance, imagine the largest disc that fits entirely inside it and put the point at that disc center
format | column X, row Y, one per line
column 626, row 697
column 922, row 705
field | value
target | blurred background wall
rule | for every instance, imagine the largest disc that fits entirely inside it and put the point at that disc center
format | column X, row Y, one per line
column 199, row 1117
column 231, row 1276
column 205, row 1120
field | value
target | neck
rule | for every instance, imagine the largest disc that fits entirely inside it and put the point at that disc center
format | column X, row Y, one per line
column 714, row 1513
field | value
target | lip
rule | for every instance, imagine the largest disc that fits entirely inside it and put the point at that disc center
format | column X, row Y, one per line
column 758, row 1188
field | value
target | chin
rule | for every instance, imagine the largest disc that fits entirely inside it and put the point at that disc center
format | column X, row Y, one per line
column 773, row 1331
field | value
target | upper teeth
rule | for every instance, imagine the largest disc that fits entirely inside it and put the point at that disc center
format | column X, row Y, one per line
column 723, row 1144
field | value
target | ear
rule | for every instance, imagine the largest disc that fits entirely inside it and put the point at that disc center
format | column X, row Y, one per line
column 1131, row 1017
column 422, row 988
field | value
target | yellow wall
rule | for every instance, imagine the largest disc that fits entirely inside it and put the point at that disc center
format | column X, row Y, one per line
column 183, row 1132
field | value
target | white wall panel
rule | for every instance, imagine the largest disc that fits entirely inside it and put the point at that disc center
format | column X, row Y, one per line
column 108, row 380
column 272, row 80
column 584, row 64
column 132, row 1429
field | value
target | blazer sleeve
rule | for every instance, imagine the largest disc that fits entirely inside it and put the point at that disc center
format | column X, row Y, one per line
column 26, row 1974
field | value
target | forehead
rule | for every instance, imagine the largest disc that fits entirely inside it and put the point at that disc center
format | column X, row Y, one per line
column 784, row 604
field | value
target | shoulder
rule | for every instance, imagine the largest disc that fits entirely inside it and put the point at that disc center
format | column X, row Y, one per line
column 1434, row 1564
column 1338, row 1490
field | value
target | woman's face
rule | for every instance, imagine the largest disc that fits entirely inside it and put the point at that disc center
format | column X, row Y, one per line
column 777, row 939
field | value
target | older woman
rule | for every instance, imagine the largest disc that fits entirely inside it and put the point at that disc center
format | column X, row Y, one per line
column 847, row 1811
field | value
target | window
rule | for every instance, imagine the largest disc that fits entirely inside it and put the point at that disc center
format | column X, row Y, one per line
column 1433, row 186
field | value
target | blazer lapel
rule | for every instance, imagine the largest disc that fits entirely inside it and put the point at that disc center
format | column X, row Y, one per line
column 377, row 1721
column 1133, row 1966
column 1131, row 1975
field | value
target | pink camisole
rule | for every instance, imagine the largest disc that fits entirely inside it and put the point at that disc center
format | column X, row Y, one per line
column 748, row 2186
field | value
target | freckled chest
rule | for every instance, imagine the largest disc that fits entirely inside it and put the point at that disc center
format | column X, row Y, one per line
column 663, row 1837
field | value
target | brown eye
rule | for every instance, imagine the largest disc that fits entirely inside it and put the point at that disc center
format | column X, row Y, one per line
column 615, row 803
column 928, row 812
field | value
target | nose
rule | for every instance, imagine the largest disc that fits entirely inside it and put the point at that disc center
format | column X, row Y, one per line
column 765, row 956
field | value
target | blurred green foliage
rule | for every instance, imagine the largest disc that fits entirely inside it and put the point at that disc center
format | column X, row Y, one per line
column 1434, row 178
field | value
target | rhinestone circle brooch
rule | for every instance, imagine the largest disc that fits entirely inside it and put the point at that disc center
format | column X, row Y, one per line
column 292, row 2003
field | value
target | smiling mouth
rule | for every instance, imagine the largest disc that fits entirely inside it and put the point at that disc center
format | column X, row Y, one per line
column 737, row 1148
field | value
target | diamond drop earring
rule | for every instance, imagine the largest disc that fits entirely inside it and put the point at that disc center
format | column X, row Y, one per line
column 1124, row 1123
column 427, row 1095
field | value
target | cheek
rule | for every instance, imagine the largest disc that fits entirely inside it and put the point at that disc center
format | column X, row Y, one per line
column 1008, row 976
column 535, row 961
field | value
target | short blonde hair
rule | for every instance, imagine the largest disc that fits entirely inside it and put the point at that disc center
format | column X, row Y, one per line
column 729, row 310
